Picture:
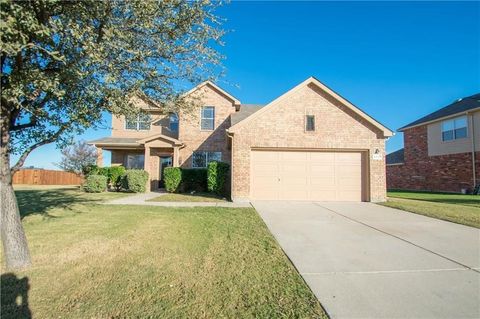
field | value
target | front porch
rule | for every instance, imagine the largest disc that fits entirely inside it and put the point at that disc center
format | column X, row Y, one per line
column 153, row 154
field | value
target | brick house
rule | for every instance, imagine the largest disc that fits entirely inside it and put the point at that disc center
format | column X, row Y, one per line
column 308, row 144
column 441, row 150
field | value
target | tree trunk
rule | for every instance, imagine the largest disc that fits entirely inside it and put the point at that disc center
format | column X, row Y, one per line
column 15, row 248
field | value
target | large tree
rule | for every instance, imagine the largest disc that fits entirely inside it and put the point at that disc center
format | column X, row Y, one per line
column 64, row 63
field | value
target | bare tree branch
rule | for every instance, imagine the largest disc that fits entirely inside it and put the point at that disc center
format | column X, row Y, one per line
column 25, row 154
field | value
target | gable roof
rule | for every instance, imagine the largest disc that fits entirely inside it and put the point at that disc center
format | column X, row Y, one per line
column 217, row 88
column 311, row 80
column 397, row 157
column 245, row 111
column 457, row 107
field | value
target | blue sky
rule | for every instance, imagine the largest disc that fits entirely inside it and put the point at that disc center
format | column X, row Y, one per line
column 395, row 60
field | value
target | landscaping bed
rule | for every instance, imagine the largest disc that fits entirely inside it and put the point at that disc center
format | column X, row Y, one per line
column 92, row 260
column 457, row 208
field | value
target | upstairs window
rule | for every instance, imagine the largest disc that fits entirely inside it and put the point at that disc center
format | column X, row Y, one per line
column 140, row 123
column 201, row 159
column 207, row 121
column 310, row 123
column 455, row 129
column 173, row 122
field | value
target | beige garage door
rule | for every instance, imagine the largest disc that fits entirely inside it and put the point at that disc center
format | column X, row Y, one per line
column 302, row 175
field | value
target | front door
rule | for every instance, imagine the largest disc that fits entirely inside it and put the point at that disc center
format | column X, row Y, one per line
column 165, row 161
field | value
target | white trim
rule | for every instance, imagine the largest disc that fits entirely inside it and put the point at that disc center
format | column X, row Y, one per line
column 216, row 87
column 138, row 123
column 206, row 154
column 201, row 118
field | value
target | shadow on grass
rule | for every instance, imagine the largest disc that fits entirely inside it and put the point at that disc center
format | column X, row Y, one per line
column 38, row 202
column 14, row 297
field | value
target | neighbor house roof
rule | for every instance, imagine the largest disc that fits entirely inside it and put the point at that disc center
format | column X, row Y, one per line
column 457, row 107
column 311, row 80
column 245, row 111
column 397, row 157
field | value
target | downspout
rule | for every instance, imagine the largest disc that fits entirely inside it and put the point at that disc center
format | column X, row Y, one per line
column 230, row 135
column 474, row 173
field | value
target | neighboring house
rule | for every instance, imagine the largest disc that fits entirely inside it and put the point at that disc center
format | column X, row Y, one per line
column 441, row 150
column 308, row 144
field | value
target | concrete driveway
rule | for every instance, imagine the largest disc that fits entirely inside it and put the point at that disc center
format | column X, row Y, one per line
column 368, row 261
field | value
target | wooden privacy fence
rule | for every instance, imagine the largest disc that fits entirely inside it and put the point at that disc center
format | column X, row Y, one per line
column 46, row 177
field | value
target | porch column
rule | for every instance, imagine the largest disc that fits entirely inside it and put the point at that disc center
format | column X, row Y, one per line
column 176, row 154
column 99, row 156
column 146, row 166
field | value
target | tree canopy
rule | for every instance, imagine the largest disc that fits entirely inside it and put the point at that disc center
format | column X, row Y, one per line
column 64, row 63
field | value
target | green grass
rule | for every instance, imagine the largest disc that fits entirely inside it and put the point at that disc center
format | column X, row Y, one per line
column 92, row 260
column 196, row 197
column 461, row 209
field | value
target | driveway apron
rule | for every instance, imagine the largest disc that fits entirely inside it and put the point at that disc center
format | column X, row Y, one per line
column 368, row 261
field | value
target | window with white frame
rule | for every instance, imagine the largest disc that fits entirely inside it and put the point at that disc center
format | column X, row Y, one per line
column 455, row 129
column 310, row 123
column 207, row 121
column 140, row 123
column 201, row 159
column 135, row 161
column 173, row 118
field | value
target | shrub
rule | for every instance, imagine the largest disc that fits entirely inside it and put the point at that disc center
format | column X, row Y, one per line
column 135, row 180
column 194, row 179
column 115, row 174
column 217, row 175
column 95, row 184
column 172, row 177
column 91, row 169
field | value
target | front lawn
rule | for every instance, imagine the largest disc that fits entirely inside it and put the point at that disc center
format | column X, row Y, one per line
column 92, row 260
column 195, row 197
column 461, row 209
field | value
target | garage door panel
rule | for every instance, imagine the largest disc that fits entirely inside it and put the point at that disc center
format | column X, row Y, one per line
column 308, row 175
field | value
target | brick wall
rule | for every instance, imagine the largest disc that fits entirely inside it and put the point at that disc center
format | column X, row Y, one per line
column 448, row 173
column 283, row 126
column 196, row 139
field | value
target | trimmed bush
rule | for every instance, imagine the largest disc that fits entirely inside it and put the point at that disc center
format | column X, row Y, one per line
column 172, row 177
column 194, row 179
column 95, row 184
column 217, row 175
column 115, row 174
column 135, row 180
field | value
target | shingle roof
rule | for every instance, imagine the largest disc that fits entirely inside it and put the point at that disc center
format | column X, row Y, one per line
column 462, row 105
column 396, row 157
column 115, row 140
column 245, row 111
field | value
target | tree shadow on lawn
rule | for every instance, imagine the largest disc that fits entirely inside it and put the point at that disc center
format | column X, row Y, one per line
column 32, row 201
column 14, row 297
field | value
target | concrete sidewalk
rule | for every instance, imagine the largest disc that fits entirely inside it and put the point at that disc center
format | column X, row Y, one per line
column 142, row 199
column 368, row 261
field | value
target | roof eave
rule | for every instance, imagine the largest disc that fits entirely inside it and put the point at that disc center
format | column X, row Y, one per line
column 438, row 119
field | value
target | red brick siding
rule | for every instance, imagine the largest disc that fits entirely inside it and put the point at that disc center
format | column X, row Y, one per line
column 448, row 173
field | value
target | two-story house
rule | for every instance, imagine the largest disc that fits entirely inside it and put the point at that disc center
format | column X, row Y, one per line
column 308, row 144
column 441, row 150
